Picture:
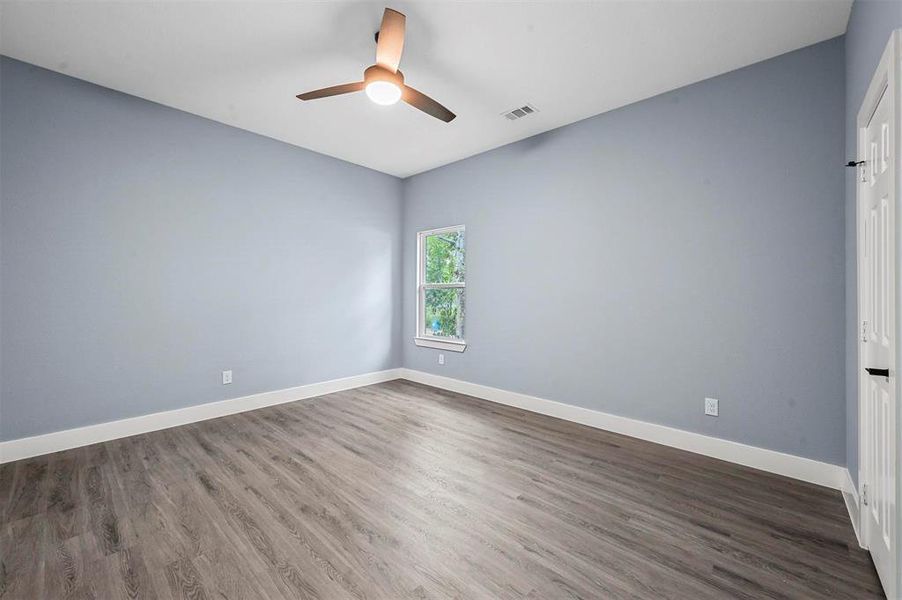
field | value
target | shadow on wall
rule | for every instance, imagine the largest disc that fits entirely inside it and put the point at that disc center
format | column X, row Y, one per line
column 374, row 298
column 537, row 142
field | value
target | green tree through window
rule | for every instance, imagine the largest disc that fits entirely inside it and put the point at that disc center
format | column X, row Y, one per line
column 443, row 285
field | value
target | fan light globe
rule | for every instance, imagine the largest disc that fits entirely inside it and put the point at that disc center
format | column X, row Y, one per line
column 383, row 92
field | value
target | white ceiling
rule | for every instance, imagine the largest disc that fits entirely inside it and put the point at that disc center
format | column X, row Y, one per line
column 242, row 63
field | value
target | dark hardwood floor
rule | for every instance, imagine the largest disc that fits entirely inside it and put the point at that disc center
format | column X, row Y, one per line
column 403, row 491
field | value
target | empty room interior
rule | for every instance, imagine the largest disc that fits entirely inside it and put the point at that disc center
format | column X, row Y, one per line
column 431, row 299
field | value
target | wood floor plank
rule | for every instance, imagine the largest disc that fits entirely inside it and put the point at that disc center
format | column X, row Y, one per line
column 399, row 490
column 28, row 496
column 69, row 566
column 104, row 521
column 7, row 476
column 184, row 581
column 22, row 558
column 129, row 577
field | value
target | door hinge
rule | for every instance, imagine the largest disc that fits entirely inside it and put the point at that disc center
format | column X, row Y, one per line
column 864, row 331
column 864, row 494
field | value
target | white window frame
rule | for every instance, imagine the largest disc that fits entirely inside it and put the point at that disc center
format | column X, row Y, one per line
column 452, row 345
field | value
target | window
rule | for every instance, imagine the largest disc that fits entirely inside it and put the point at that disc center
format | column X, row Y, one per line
column 441, row 289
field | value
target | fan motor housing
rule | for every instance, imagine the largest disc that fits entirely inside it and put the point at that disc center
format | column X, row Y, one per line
column 380, row 73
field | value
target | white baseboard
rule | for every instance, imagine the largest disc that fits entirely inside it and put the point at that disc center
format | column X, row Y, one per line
column 853, row 505
column 805, row 469
column 103, row 432
column 797, row 467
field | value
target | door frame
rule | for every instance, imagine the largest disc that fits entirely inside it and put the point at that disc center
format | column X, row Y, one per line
column 888, row 76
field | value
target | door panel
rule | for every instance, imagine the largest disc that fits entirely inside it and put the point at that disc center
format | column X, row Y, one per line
column 878, row 306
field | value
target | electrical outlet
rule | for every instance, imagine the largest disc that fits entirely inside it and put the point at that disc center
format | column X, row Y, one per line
column 712, row 407
column 441, row 359
column 227, row 377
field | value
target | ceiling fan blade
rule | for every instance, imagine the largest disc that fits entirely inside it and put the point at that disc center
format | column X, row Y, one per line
column 335, row 90
column 391, row 40
column 426, row 104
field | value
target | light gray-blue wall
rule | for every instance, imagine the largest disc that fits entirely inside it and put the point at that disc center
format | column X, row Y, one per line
column 689, row 245
column 144, row 250
column 686, row 246
column 870, row 25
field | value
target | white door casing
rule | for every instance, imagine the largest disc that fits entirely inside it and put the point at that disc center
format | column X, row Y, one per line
column 878, row 188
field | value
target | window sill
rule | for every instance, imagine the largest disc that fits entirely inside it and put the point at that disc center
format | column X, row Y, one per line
column 455, row 346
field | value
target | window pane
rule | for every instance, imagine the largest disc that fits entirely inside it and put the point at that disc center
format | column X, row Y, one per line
column 444, row 313
column 445, row 257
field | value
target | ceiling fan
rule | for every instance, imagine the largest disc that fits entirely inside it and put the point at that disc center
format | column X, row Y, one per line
column 383, row 82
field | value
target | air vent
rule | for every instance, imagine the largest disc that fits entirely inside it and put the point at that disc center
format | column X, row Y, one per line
column 519, row 113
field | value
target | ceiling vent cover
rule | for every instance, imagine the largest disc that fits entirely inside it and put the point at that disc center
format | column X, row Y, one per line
column 519, row 113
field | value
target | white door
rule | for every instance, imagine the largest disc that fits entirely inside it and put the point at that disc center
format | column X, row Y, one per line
column 877, row 305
